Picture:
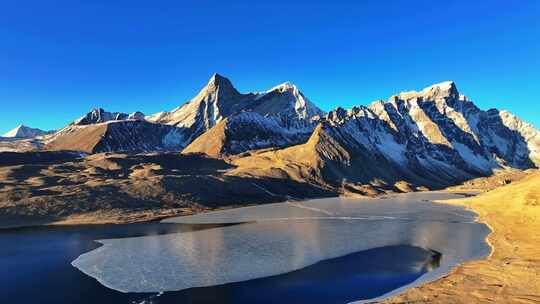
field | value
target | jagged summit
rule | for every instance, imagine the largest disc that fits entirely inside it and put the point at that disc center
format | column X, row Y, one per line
column 446, row 89
column 216, row 100
column 219, row 83
column 434, row 133
column 448, row 85
column 283, row 87
column 99, row 115
column 439, row 129
column 443, row 89
column 290, row 98
column 217, row 78
column 284, row 104
column 136, row 116
column 19, row 127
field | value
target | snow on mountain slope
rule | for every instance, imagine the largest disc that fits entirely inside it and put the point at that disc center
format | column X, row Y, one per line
column 102, row 131
column 522, row 129
column 286, row 100
column 23, row 131
column 99, row 115
column 436, row 137
column 284, row 105
column 327, row 160
column 436, row 133
column 282, row 112
column 217, row 100
column 440, row 131
column 118, row 136
column 247, row 131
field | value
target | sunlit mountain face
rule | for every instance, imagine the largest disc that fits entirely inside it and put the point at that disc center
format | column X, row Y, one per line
column 269, row 152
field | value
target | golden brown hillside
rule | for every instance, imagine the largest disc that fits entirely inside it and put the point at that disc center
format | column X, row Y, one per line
column 211, row 142
column 84, row 139
column 511, row 274
column 325, row 161
column 51, row 187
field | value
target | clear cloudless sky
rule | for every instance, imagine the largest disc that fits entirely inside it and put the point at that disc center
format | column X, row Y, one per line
column 59, row 59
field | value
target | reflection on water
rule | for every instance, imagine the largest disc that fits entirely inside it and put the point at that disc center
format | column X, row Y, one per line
column 35, row 262
column 284, row 238
column 361, row 275
column 36, row 268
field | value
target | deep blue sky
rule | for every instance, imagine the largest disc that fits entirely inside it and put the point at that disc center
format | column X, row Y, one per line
column 58, row 59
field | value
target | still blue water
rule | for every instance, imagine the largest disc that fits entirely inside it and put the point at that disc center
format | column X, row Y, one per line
column 35, row 268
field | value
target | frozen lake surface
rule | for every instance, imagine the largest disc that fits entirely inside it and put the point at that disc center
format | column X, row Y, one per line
column 280, row 238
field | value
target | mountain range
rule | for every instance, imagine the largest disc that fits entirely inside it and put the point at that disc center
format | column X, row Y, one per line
column 432, row 138
column 225, row 148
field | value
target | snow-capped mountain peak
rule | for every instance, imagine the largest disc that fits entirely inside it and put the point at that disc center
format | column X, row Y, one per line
column 290, row 98
column 283, row 87
column 219, row 99
column 443, row 89
column 446, row 89
column 445, row 86
column 99, row 115
column 218, row 83
column 438, row 130
column 22, row 131
column 136, row 116
column 435, row 127
column 216, row 100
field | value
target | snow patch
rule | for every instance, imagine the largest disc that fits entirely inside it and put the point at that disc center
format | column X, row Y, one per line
column 175, row 138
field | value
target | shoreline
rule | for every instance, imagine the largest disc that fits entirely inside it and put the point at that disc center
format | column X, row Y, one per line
column 112, row 217
column 509, row 274
column 426, row 279
column 396, row 296
column 455, row 250
column 467, row 282
column 97, row 218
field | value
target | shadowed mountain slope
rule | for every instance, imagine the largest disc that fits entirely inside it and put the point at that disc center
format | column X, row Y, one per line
column 254, row 148
column 119, row 136
column 284, row 106
column 434, row 138
column 49, row 187
column 247, row 131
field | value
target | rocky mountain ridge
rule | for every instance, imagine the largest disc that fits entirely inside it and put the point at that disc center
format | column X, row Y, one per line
column 434, row 130
column 436, row 138
column 283, row 111
column 239, row 149
column 99, row 115
column 283, row 106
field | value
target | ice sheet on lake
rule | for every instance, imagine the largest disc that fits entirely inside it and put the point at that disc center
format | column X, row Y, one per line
column 410, row 206
column 284, row 238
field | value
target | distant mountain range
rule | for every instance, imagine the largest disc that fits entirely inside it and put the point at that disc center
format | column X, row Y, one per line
column 435, row 136
column 22, row 131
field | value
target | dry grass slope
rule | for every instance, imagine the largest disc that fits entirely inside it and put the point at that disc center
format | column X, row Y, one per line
column 79, row 139
column 119, row 188
column 511, row 274
column 211, row 142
